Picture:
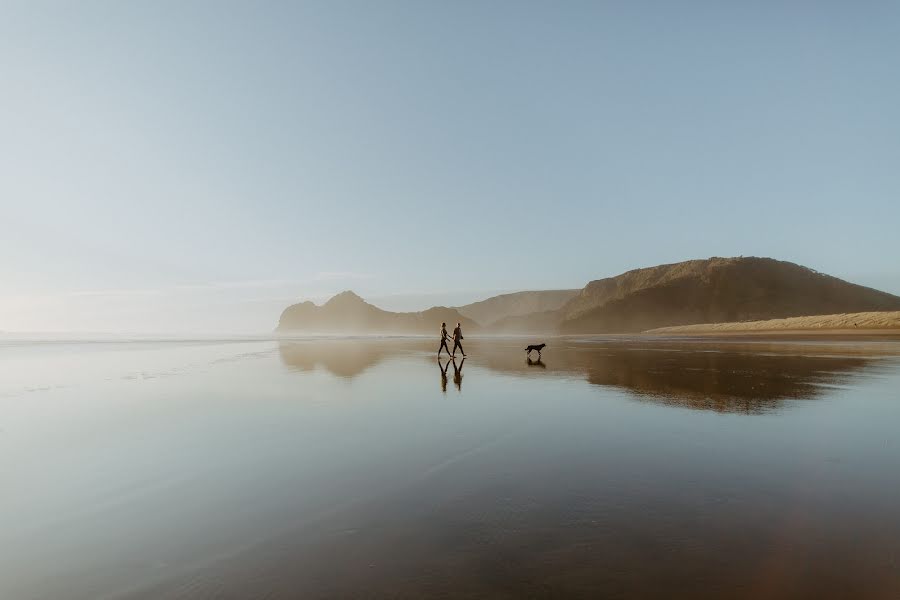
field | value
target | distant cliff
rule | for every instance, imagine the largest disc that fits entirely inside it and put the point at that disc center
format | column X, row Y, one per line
column 516, row 304
column 348, row 313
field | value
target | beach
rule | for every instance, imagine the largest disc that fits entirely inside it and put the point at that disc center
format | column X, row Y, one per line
column 883, row 324
column 362, row 467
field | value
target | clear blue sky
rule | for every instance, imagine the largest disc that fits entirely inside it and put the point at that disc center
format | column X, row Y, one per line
column 168, row 165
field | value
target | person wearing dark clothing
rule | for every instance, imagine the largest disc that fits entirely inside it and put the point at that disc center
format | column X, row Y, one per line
column 457, row 338
column 444, row 337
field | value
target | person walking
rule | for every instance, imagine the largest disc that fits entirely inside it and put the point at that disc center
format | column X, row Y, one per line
column 444, row 337
column 457, row 338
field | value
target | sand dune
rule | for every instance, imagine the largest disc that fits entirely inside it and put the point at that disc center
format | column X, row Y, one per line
column 863, row 322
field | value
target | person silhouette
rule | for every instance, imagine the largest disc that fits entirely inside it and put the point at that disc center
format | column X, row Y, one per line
column 457, row 373
column 444, row 337
column 444, row 375
column 457, row 338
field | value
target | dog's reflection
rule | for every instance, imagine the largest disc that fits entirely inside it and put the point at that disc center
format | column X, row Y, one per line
column 536, row 363
column 457, row 373
column 443, row 375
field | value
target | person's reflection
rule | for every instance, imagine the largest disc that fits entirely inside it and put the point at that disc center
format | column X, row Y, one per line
column 457, row 373
column 536, row 363
column 443, row 375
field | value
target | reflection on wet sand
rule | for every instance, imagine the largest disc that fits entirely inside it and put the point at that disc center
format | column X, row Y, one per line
column 457, row 374
column 574, row 477
column 535, row 363
column 724, row 379
column 342, row 358
column 443, row 374
column 748, row 378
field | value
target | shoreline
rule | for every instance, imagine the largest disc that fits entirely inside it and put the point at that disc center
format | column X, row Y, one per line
column 780, row 334
column 845, row 325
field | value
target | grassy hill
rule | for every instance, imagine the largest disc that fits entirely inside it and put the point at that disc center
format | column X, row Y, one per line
column 712, row 291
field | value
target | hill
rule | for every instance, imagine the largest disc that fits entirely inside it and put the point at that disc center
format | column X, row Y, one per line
column 714, row 290
column 517, row 304
column 546, row 322
column 348, row 313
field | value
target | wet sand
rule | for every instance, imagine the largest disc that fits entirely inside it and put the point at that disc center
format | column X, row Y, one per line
column 613, row 467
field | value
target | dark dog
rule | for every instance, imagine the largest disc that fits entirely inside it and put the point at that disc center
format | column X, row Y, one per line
column 535, row 347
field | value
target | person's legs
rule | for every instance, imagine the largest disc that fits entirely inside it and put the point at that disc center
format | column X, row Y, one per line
column 456, row 345
column 444, row 346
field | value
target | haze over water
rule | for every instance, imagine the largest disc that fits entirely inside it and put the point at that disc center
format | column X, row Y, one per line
column 353, row 468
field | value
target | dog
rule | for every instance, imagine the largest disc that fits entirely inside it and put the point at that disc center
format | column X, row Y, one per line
column 536, row 348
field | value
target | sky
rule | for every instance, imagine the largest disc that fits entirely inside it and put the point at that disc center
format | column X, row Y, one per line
column 198, row 166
